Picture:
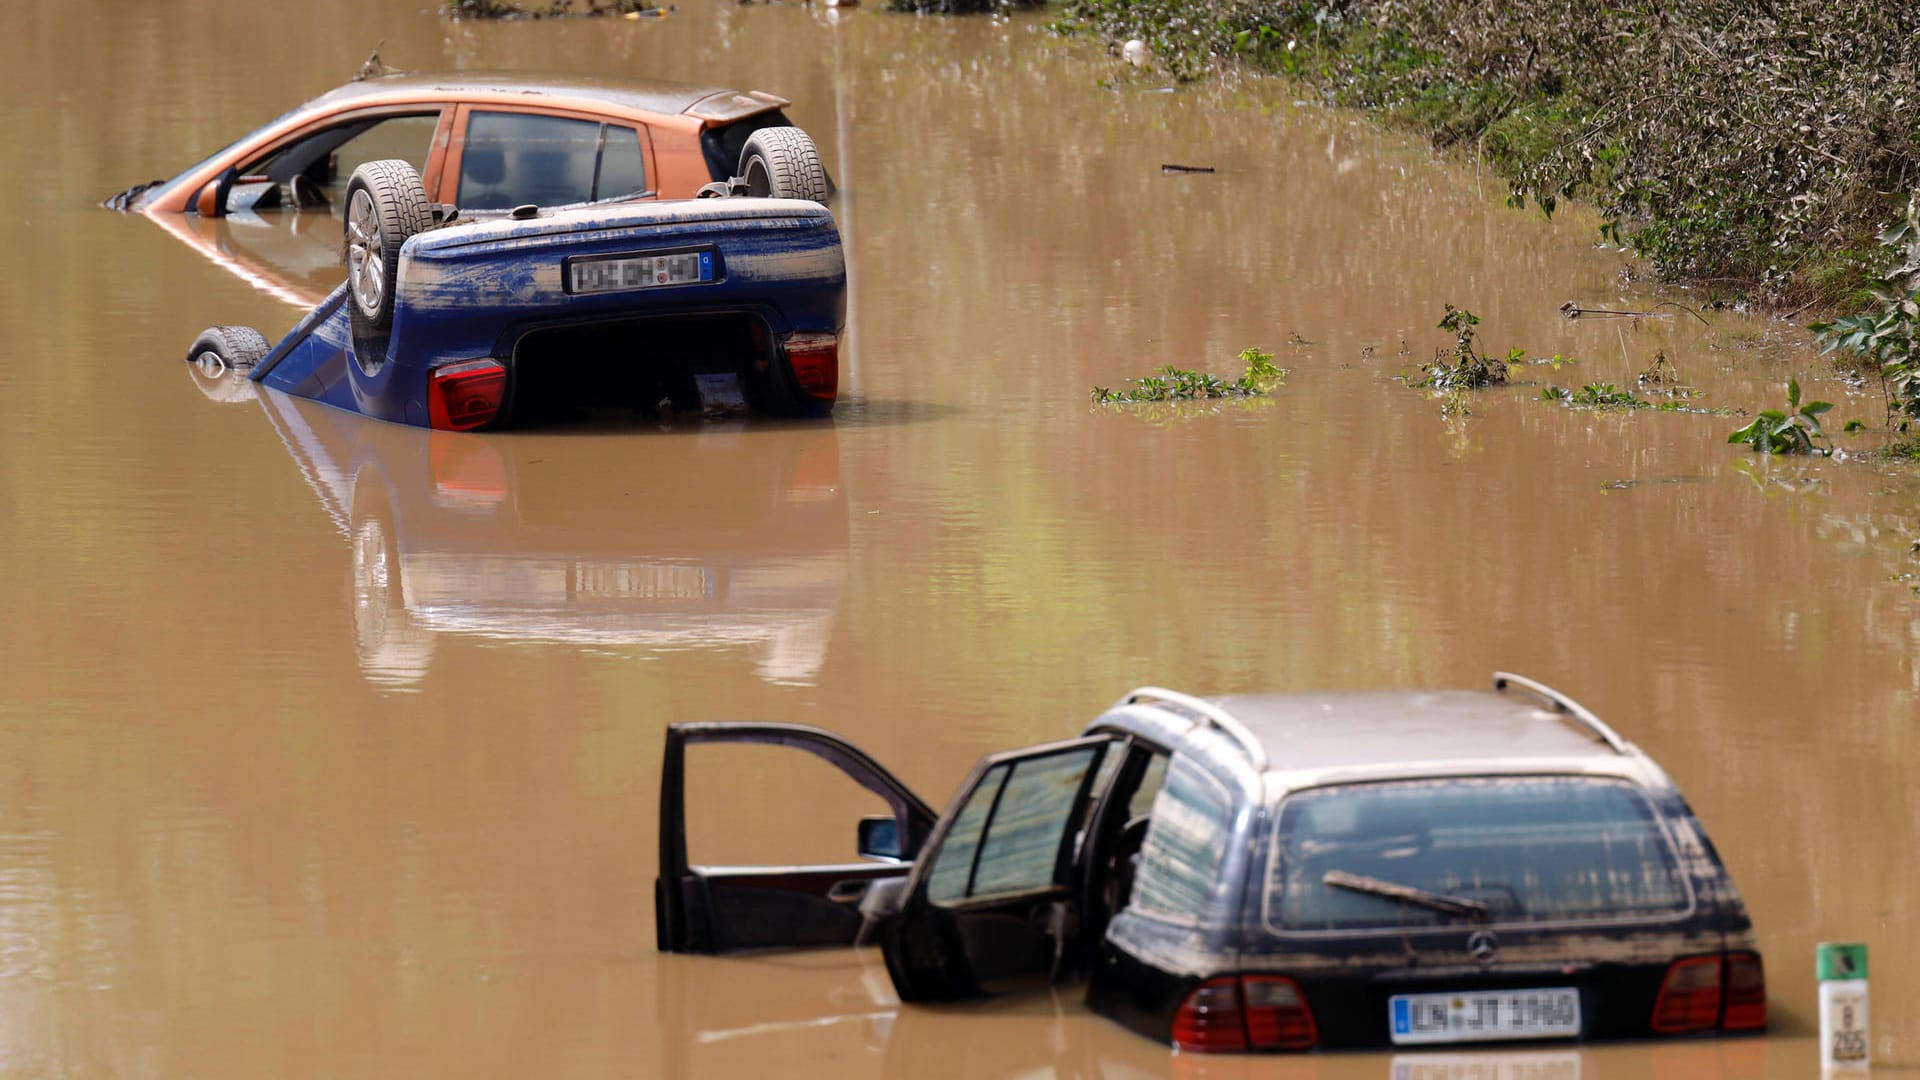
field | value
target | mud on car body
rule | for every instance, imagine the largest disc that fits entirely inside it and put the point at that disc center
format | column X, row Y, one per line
column 1276, row 872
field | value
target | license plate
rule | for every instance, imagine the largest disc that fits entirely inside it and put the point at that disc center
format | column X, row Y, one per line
column 619, row 273
column 1484, row 1015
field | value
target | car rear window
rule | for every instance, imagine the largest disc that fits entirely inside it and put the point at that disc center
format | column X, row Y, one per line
column 1532, row 849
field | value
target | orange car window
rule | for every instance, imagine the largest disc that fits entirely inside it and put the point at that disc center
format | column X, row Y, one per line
column 514, row 158
column 622, row 169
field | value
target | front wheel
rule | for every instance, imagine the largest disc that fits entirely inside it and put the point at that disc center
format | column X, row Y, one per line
column 218, row 359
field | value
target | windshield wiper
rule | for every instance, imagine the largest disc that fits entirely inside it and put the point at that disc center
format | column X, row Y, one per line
column 1407, row 894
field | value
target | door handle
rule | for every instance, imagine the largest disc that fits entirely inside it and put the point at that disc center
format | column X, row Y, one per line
column 847, row 892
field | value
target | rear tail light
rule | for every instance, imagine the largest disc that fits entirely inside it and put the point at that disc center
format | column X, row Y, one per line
column 1210, row 1017
column 1245, row 1012
column 465, row 395
column 1689, row 996
column 1277, row 1014
column 1746, row 993
column 815, row 360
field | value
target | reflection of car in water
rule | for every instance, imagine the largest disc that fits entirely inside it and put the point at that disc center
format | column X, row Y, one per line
column 729, row 538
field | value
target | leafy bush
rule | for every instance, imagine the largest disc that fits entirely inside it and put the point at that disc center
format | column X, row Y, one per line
column 1595, row 396
column 1883, row 340
column 1748, row 148
column 1468, row 368
column 1792, row 430
column 1180, row 384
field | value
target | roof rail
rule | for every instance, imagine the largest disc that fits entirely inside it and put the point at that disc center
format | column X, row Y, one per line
column 1208, row 713
column 1561, row 703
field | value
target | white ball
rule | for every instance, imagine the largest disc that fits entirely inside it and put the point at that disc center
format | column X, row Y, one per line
column 1135, row 52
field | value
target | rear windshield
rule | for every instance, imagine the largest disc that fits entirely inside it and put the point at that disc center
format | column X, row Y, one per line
column 1530, row 849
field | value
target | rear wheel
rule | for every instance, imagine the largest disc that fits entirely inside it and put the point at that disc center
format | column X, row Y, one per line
column 386, row 203
column 783, row 163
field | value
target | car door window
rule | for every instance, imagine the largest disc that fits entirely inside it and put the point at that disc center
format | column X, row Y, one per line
column 623, row 170
column 514, row 158
column 1186, row 840
column 1140, row 803
column 313, row 171
column 1010, row 834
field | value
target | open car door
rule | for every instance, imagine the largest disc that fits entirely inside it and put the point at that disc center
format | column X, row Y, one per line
column 710, row 909
column 996, row 900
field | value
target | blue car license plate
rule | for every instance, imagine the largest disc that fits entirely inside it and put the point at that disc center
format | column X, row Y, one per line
column 1484, row 1015
column 619, row 273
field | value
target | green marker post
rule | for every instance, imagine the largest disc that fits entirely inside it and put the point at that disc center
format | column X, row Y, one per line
column 1844, row 1042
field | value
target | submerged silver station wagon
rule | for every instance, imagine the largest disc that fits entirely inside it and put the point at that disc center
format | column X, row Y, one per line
column 1275, row 872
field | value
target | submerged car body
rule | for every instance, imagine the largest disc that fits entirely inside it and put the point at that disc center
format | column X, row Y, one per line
column 616, row 306
column 1276, row 872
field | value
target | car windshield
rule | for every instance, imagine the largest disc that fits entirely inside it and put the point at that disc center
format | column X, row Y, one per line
column 1518, row 849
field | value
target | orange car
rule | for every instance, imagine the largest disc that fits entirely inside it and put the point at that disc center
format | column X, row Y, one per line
column 488, row 142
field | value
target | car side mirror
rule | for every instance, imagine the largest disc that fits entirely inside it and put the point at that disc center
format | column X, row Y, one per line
column 879, row 838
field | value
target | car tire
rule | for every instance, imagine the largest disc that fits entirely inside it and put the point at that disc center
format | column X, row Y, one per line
column 783, row 163
column 386, row 203
column 233, row 347
column 218, row 358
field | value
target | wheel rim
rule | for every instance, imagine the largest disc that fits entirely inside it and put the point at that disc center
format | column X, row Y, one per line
column 759, row 184
column 366, row 259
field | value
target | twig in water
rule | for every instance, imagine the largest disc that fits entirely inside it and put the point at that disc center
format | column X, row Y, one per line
column 1573, row 310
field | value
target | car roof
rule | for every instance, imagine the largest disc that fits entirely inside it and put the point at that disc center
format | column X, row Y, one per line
column 1325, row 736
column 716, row 103
column 1412, row 727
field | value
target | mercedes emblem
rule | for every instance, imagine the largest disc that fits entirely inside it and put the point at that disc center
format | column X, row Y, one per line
column 1483, row 947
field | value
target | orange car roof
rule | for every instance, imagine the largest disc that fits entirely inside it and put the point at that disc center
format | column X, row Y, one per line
column 713, row 104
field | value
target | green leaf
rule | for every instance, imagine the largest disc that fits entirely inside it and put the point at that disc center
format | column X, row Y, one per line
column 1793, row 393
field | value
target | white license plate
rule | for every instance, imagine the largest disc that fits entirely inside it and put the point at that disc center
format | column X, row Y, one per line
column 622, row 272
column 1484, row 1015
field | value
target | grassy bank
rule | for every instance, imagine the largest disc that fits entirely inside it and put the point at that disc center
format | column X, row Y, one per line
column 1748, row 147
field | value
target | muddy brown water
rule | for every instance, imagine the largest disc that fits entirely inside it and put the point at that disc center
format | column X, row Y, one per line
column 331, row 748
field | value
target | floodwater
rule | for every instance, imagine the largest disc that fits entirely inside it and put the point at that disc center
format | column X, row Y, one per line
column 331, row 749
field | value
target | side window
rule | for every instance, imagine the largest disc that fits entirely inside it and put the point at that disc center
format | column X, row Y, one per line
column 1141, row 802
column 622, row 169
column 514, row 158
column 313, row 171
column 1010, row 834
column 1186, row 841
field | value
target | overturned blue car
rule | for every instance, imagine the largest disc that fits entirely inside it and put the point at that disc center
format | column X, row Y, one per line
column 541, row 315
